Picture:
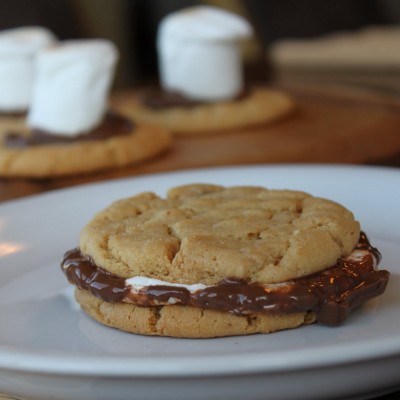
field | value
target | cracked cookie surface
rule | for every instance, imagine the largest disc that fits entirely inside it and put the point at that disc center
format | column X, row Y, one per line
column 205, row 233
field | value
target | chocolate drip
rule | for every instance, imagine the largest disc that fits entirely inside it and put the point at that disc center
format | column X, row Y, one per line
column 112, row 125
column 330, row 294
column 82, row 272
column 157, row 99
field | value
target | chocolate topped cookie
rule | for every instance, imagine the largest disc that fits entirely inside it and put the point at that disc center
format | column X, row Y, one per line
column 181, row 115
column 212, row 261
column 115, row 142
column 202, row 85
column 69, row 127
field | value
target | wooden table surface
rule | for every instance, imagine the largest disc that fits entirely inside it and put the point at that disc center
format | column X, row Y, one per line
column 331, row 124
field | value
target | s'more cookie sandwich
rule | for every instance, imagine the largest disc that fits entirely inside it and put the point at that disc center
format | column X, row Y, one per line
column 211, row 261
column 202, row 88
column 70, row 128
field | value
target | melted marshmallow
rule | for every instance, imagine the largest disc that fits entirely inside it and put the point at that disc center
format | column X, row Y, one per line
column 137, row 283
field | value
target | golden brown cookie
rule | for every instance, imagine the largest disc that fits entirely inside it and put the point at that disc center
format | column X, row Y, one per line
column 210, row 261
column 184, row 321
column 260, row 105
column 80, row 156
column 205, row 233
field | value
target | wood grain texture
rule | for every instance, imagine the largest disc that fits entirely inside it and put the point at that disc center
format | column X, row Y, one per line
column 330, row 124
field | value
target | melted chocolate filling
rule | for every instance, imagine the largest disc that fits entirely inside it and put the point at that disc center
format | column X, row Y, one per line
column 156, row 98
column 112, row 125
column 330, row 294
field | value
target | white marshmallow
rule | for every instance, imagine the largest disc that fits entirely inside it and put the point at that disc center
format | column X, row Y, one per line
column 199, row 54
column 139, row 282
column 18, row 48
column 72, row 84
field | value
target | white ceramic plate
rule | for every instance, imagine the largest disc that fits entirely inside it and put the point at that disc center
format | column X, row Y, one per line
column 50, row 349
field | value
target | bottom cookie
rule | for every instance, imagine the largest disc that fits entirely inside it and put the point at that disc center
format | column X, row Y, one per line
column 184, row 321
column 47, row 161
column 261, row 105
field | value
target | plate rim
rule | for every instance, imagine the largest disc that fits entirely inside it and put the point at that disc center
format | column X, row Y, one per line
column 117, row 366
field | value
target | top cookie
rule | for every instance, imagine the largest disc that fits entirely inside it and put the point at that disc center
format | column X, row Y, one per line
column 206, row 233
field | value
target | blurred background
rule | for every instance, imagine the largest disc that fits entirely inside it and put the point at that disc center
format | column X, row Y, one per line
column 356, row 42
